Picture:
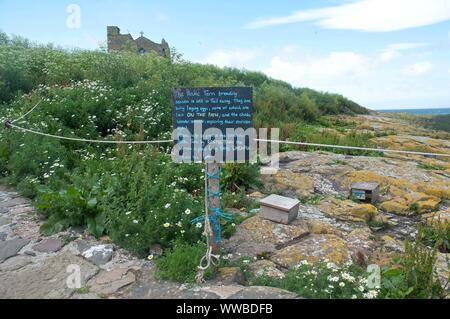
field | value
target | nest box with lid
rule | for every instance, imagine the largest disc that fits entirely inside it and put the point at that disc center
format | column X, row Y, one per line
column 279, row 209
column 366, row 192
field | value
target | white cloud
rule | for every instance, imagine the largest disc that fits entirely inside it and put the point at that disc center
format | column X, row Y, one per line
column 318, row 72
column 406, row 46
column 394, row 50
column 418, row 68
column 161, row 16
column 237, row 58
column 388, row 55
column 368, row 15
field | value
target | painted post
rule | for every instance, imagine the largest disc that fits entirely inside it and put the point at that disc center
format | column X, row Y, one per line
column 213, row 189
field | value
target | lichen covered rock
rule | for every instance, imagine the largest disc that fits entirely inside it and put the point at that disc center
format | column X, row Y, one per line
column 395, row 206
column 301, row 184
column 348, row 210
column 314, row 248
column 256, row 236
column 266, row 268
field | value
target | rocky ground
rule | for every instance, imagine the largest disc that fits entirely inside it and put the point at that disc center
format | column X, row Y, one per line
column 329, row 226
column 32, row 266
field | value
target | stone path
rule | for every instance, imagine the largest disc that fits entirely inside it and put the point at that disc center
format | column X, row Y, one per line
column 32, row 266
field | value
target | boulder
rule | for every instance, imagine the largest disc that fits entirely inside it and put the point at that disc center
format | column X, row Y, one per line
column 392, row 244
column 11, row 247
column 15, row 263
column 348, row 210
column 97, row 254
column 266, row 268
column 361, row 243
column 275, row 233
column 301, row 184
column 230, row 275
column 109, row 282
column 316, row 226
column 257, row 235
column 47, row 279
column 395, row 206
column 314, row 248
column 5, row 221
column 365, row 212
column 49, row 245
column 428, row 205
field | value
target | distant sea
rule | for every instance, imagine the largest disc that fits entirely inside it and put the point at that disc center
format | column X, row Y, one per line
column 442, row 111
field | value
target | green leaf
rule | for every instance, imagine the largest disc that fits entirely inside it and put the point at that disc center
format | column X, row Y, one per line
column 393, row 272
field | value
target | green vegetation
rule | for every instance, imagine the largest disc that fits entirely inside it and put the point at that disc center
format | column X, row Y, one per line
column 414, row 275
column 414, row 207
column 431, row 167
column 312, row 200
column 240, row 177
column 411, row 276
column 436, row 234
column 180, row 263
column 323, row 281
column 318, row 133
column 438, row 122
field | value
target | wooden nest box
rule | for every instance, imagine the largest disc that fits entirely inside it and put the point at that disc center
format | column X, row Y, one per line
column 366, row 192
column 279, row 209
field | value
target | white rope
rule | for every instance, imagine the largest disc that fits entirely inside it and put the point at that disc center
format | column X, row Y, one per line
column 31, row 110
column 209, row 257
column 77, row 139
column 353, row 148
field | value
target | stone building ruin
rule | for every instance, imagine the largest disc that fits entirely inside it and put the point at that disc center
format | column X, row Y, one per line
column 141, row 45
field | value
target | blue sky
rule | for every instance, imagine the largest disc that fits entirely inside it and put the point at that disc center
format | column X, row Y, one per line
column 380, row 53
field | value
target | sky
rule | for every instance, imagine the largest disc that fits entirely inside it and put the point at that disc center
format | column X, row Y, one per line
column 383, row 54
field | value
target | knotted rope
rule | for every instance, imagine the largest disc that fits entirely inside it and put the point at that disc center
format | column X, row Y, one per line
column 210, row 258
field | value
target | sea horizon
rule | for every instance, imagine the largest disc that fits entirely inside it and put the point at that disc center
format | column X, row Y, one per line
column 421, row 111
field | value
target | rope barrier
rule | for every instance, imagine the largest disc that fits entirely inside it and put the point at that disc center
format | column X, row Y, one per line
column 77, row 139
column 10, row 124
column 354, row 148
column 29, row 111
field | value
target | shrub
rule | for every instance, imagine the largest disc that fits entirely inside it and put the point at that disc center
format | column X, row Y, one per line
column 240, row 177
column 318, row 134
column 146, row 201
column 180, row 263
column 413, row 277
column 70, row 207
column 436, row 234
column 238, row 200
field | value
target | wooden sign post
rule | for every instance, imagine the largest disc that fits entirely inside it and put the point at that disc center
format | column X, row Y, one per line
column 210, row 126
column 213, row 184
